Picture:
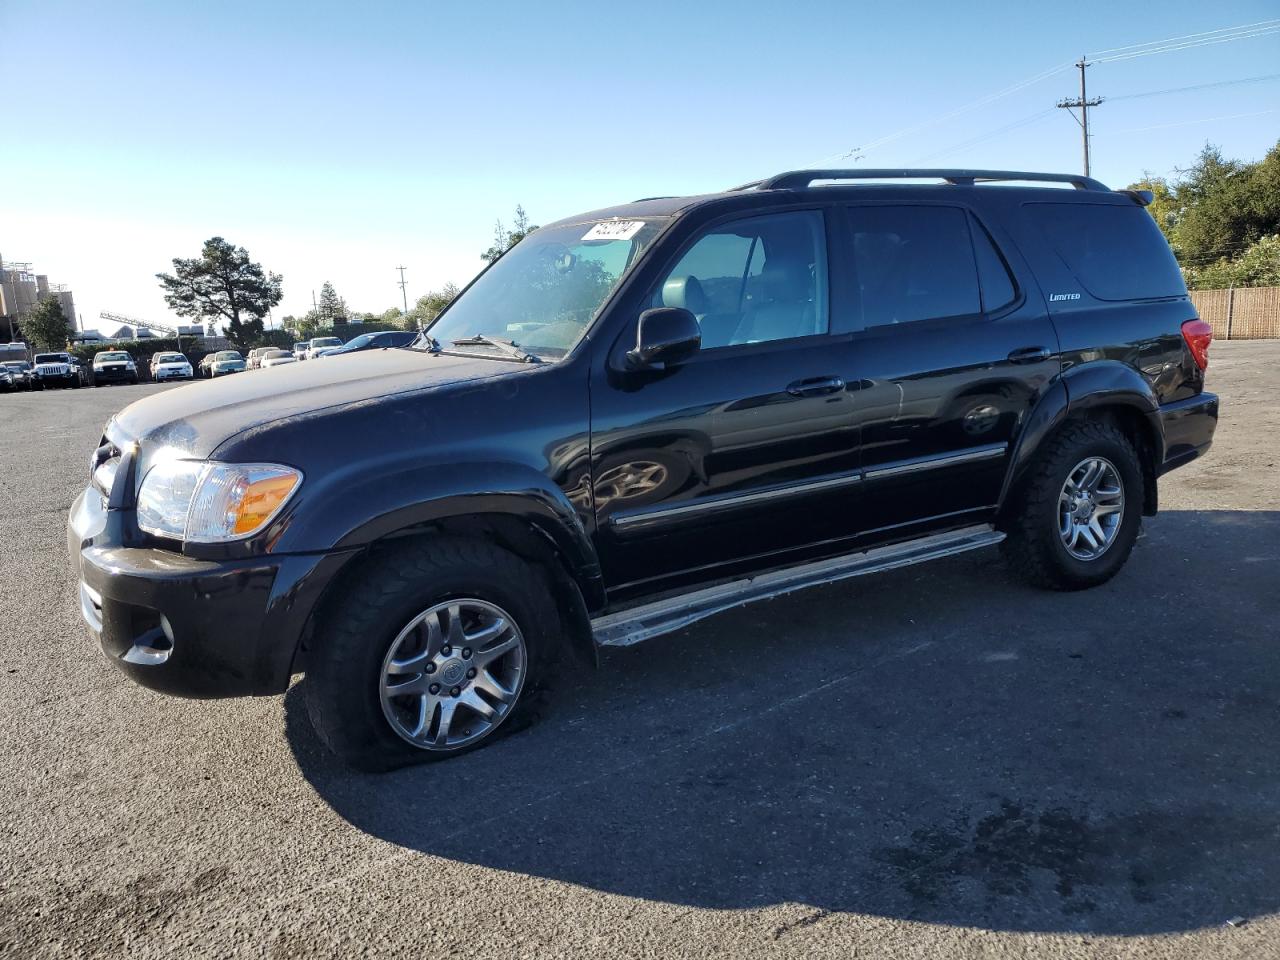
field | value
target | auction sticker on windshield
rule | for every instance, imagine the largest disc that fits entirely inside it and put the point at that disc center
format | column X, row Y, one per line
column 614, row 230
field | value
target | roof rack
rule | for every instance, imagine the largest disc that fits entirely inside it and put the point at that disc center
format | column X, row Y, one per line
column 800, row 179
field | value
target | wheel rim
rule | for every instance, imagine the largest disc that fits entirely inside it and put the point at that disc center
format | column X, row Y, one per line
column 452, row 674
column 1091, row 508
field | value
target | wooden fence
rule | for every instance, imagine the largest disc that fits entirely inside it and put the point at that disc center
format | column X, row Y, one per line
column 1242, row 313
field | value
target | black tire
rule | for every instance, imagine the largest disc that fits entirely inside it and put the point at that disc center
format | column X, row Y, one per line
column 356, row 629
column 1033, row 548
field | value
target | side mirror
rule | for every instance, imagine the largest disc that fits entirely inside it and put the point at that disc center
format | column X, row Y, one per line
column 665, row 336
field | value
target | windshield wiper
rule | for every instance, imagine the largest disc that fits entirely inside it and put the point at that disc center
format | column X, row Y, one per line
column 502, row 343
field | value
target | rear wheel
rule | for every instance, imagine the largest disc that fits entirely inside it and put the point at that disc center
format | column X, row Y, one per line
column 434, row 649
column 1076, row 516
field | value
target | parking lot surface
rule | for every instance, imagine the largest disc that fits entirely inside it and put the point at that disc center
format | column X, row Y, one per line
column 932, row 762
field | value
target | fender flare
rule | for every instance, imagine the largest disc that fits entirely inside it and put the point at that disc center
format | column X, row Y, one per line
column 1091, row 386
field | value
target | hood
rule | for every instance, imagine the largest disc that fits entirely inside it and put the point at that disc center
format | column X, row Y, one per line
column 199, row 417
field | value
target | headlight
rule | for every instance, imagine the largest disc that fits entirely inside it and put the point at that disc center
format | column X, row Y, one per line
column 213, row 502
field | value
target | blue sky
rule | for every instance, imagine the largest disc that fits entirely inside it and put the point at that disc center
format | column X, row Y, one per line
column 337, row 141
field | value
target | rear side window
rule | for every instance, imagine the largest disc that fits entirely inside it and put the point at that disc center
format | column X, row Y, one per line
column 913, row 263
column 1115, row 251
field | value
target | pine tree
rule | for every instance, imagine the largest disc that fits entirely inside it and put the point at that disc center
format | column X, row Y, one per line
column 332, row 308
column 223, row 283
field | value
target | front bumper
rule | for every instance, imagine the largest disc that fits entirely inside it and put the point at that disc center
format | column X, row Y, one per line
column 114, row 375
column 1188, row 429
column 220, row 371
column 188, row 627
column 176, row 373
column 50, row 379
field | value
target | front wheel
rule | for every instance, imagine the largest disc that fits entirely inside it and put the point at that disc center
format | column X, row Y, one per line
column 434, row 649
column 1075, row 518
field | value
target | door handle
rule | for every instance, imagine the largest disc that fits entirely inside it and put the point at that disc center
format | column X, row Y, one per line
column 1029, row 354
column 815, row 386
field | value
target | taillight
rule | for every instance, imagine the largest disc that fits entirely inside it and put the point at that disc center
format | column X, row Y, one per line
column 1198, row 335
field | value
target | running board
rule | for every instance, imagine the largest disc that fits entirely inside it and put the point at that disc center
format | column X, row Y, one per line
column 630, row 626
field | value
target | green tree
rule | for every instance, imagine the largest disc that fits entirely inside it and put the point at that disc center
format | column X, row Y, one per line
column 504, row 239
column 46, row 326
column 310, row 325
column 332, row 308
column 1257, row 266
column 1217, row 208
column 223, row 283
column 429, row 305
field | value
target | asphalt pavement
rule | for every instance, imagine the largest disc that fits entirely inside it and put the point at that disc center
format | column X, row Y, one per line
column 933, row 762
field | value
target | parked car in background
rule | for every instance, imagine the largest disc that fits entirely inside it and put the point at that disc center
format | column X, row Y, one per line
column 321, row 343
column 23, row 374
column 170, row 365
column 10, row 380
column 277, row 358
column 254, row 360
column 113, row 366
column 300, row 349
column 375, row 341
column 224, row 362
column 58, row 370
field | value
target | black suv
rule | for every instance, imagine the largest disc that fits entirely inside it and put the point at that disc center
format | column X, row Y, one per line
column 642, row 416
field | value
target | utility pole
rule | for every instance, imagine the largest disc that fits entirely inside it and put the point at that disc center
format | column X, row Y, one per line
column 403, row 295
column 1084, row 103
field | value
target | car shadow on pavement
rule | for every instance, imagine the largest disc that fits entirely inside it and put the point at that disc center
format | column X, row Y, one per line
column 937, row 743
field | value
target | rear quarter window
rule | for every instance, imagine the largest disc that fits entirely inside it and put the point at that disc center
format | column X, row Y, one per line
column 1115, row 251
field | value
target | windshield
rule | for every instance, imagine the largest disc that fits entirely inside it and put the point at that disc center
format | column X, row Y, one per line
column 276, row 354
column 171, row 358
column 227, row 355
column 326, row 342
column 110, row 356
column 361, row 340
column 17, row 365
column 51, row 358
column 544, row 292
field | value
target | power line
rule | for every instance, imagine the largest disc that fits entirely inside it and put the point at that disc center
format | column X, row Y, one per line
column 1197, row 86
column 989, row 135
column 964, row 108
column 1189, row 36
column 1188, row 123
column 1174, row 47
column 1168, row 45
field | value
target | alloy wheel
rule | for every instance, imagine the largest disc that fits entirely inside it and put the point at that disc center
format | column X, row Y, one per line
column 453, row 674
column 1091, row 508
